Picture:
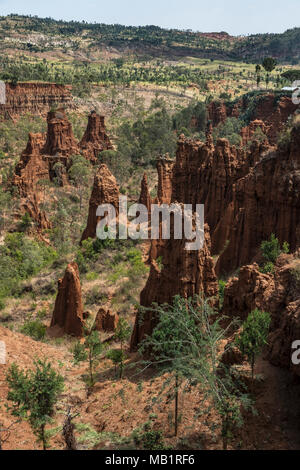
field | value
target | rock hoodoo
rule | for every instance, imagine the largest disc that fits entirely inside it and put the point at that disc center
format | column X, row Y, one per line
column 60, row 139
column 68, row 310
column 106, row 321
column 38, row 161
column 182, row 272
column 95, row 138
column 105, row 191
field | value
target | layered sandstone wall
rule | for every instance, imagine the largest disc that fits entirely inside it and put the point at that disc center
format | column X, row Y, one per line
column 34, row 98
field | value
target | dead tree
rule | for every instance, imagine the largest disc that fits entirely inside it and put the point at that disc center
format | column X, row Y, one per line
column 68, row 430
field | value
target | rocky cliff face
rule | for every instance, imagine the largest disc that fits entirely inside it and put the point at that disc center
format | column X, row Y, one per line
column 34, row 98
column 248, row 193
column 277, row 294
column 68, row 309
column 183, row 272
column 32, row 166
column 105, row 191
column 273, row 111
column 265, row 201
column 95, row 138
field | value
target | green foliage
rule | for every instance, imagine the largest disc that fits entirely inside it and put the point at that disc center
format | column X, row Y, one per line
column 20, row 258
column 34, row 394
column 117, row 356
column 222, row 285
column 258, row 135
column 291, row 75
column 148, row 438
column 253, row 336
column 79, row 173
column 90, row 350
column 122, row 334
column 90, row 250
column 123, row 331
column 35, row 329
column 26, row 222
column 142, row 141
column 190, row 119
column 185, row 343
column 269, row 64
column 284, row 140
column 268, row 268
column 271, row 249
column 173, row 41
column 230, row 130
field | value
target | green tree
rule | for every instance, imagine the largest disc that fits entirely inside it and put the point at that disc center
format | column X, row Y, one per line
column 122, row 334
column 117, row 357
column 185, row 346
column 253, row 336
column 271, row 250
column 269, row 64
column 90, row 350
column 34, row 394
column 79, row 173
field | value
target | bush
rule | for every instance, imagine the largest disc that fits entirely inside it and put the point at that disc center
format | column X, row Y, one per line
column 254, row 335
column 21, row 258
column 35, row 329
column 271, row 249
column 222, row 285
column 268, row 268
column 230, row 130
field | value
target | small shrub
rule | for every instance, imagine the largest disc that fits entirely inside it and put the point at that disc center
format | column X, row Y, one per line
column 222, row 285
column 271, row 249
column 35, row 329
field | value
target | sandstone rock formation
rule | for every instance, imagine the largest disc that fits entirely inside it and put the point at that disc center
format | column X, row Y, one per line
column 264, row 201
column 217, row 112
column 105, row 191
column 271, row 109
column 68, row 309
column 274, row 113
column 248, row 132
column 60, row 138
column 165, row 173
column 38, row 161
column 106, row 321
column 34, row 98
column 30, row 205
column 145, row 197
column 32, row 167
column 183, row 272
column 95, row 138
column 278, row 294
column 43, row 151
column 250, row 290
column 247, row 193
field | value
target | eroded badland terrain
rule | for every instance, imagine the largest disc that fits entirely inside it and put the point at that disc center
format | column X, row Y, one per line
column 95, row 112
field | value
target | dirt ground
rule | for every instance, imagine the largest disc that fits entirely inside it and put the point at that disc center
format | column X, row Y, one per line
column 117, row 407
